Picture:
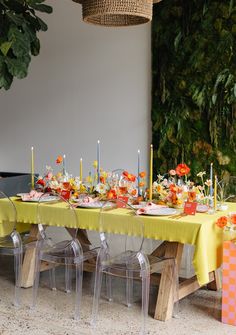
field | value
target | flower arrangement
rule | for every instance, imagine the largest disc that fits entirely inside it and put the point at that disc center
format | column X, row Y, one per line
column 171, row 189
column 59, row 182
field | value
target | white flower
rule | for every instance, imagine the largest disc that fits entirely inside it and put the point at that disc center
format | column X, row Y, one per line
column 160, row 177
column 101, row 188
column 201, row 174
column 53, row 184
column 208, row 182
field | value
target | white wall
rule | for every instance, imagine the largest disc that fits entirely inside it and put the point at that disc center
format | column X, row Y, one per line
column 88, row 83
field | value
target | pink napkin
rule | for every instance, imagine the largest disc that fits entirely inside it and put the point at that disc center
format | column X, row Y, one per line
column 32, row 195
column 149, row 206
column 85, row 200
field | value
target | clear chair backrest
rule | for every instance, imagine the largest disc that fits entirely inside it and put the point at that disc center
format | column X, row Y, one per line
column 120, row 228
column 8, row 215
column 59, row 213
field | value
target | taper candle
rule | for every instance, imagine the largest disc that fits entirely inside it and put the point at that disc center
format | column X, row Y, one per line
column 98, row 160
column 211, row 179
column 215, row 193
column 64, row 165
column 151, row 172
column 138, row 172
column 32, row 168
column 81, row 170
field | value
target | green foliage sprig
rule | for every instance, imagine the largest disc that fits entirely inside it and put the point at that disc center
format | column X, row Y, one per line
column 19, row 26
column 194, row 84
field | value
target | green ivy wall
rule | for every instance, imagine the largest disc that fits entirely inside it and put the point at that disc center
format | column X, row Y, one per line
column 194, row 85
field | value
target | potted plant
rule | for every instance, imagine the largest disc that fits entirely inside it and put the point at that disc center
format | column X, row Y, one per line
column 19, row 26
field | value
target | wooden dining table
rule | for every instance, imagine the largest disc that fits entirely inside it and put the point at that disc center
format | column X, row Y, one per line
column 176, row 230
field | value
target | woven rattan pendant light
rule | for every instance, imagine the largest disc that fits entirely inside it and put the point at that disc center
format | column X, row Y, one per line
column 116, row 13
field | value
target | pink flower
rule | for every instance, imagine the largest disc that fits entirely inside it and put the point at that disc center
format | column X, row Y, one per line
column 172, row 172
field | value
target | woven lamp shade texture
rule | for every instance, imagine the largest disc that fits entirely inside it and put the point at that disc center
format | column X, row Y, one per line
column 117, row 13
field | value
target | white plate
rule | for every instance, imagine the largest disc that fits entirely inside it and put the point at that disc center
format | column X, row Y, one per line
column 202, row 208
column 95, row 204
column 136, row 206
column 43, row 199
column 161, row 211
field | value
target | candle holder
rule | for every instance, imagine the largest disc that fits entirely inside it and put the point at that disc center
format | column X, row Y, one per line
column 211, row 209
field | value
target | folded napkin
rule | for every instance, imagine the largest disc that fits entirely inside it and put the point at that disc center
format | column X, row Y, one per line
column 85, row 200
column 149, row 206
column 32, row 195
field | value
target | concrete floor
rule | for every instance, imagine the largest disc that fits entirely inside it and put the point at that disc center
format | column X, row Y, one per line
column 199, row 313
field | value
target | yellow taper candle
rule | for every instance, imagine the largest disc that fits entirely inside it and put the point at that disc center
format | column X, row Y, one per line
column 32, row 168
column 151, row 172
column 215, row 193
column 81, row 170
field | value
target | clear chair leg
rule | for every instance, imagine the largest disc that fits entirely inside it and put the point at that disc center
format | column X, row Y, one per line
column 68, row 277
column 129, row 288
column 97, row 293
column 52, row 278
column 79, row 284
column 18, row 254
column 145, row 301
column 18, row 271
column 109, row 287
column 36, row 274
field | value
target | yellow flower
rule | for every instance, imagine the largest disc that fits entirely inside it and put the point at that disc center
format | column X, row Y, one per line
column 82, row 189
column 104, row 174
column 89, row 179
column 95, row 164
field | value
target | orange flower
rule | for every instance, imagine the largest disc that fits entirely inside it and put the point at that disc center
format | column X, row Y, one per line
column 102, row 180
column 191, row 196
column 111, row 194
column 66, row 185
column 182, row 170
column 133, row 192
column 128, row 176
column 41, row 182
column 222, row 221
column 233, row 218
column 59, row 159
column 142, row 174
column 141, row 184
column 173, row 188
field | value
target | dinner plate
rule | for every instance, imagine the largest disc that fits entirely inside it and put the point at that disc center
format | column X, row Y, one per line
column 136, row 206
column 160, row 211
column 43, row 199
column 202, row 208
column 95, row 204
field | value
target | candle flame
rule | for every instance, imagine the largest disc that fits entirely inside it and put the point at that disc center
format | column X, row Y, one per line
column 64, row 156
column 98, row 142
column 138, row 151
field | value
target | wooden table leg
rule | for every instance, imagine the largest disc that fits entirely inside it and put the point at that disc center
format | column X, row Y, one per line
column 29, row 260
column 165, row 301
column 216, row 284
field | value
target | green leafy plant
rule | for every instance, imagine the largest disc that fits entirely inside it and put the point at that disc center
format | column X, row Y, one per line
column 194, row 85
column 19, row 26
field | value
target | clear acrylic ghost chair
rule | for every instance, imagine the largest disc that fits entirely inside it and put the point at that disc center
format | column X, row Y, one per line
column 68, row 252
column 11, row 243
column 126, row 259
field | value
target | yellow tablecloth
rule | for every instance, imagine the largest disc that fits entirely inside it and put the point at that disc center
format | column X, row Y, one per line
column 199, row 230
